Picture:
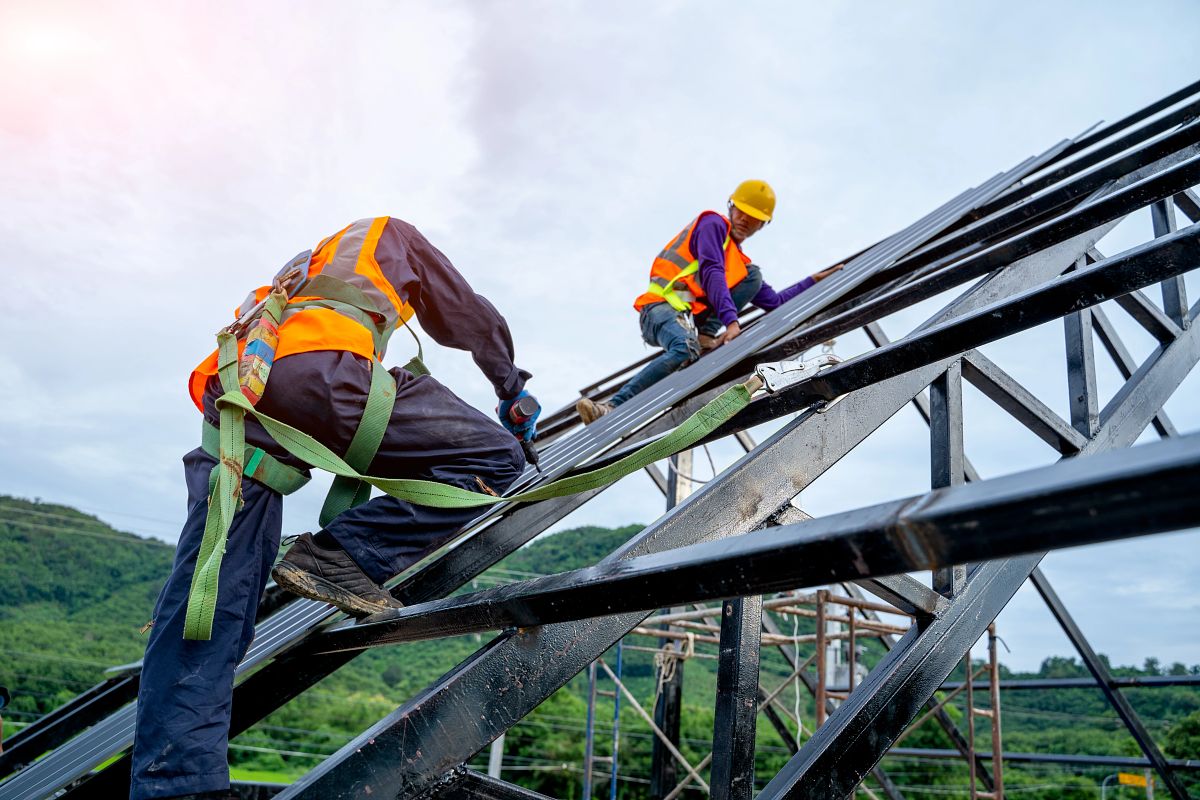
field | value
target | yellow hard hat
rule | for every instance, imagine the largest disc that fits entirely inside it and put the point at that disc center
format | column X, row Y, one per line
column 755, row 198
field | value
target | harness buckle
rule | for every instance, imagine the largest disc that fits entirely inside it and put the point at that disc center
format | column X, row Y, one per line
column 778, row 375
column 281, row 283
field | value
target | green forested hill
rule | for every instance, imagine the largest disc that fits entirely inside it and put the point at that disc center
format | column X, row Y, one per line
column 74, row 594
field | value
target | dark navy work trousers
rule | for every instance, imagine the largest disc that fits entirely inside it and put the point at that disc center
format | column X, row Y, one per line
column 186, row 690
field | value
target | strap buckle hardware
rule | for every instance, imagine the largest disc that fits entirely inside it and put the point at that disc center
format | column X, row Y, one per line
column 281, row 283
column 778, row 375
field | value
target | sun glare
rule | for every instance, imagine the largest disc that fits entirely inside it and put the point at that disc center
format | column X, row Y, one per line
column 45, row 43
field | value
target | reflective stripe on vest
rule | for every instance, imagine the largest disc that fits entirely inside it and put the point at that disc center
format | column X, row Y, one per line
column 673, row 274
column 349, row 256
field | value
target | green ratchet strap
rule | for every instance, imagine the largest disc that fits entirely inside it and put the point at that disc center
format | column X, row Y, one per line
column 348, row 492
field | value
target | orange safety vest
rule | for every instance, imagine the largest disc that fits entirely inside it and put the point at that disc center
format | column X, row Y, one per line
column 349, row 256
column 674, row 274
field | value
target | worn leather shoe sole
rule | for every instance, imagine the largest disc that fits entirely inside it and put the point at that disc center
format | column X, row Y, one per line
column 590, row 411
column 314, row 587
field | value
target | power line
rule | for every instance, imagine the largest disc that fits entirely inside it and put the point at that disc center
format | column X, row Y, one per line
column 72, row 518
column 99, row 664
column 85, row 511
column 93, row 534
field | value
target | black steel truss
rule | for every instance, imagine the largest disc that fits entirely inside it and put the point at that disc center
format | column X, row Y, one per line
column 1104, row 680
column 1014, row 235
column 1082, row 501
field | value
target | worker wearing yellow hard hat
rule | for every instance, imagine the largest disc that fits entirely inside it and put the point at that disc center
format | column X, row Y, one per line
column 698, row 283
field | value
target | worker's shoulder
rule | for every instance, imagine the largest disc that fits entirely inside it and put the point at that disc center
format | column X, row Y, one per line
column 406, row 230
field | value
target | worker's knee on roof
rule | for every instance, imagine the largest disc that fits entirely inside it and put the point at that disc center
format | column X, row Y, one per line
column 683, row 350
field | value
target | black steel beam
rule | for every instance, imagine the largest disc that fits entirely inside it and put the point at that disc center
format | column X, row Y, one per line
column 792, row 457
column 669, row 698
column 736, row 718
column 1017, row 217
column 907, row 594
column 1125, row 364
column 999, row 387
column 549, row 656
column 1122, row 682
column 1189, row 203
column 792, row 657
column 858, row 735
column 1109, row 207
column 1152, row 262
column 1038, row 183
column 937, row 709
column 1072, row 503
column 1101, row 134
column 467, row 784
column 1104, row 680
column 1148, row 315
column 61, row 724
column 1113, row 762
column 853, row 740
column 286, row 677
column 1140, row 399
column 825, row 437
column 1174, row 294
column 946, row 456
column 1083, row 401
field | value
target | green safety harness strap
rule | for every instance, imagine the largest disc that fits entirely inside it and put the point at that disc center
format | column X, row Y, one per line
column 224, row 495
column 347, row 492
column 351, row 485
column 234, row 406
column 440, row 495
column 259, row 464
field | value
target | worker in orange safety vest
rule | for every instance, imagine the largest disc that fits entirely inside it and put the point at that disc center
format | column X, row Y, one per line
column 699, row 282
column 344, row 300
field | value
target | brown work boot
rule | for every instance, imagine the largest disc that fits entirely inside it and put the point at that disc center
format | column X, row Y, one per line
column 590, row 411
column 331, row 576
column 708, row 343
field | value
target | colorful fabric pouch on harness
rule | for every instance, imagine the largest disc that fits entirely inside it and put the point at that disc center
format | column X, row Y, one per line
column 254, row 366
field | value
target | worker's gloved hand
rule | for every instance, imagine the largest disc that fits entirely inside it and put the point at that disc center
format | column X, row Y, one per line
column 519, row 415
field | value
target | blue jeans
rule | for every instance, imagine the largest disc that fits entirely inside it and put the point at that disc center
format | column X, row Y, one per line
column 675, row 333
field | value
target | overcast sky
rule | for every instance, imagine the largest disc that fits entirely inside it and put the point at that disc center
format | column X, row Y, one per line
column 158, row 160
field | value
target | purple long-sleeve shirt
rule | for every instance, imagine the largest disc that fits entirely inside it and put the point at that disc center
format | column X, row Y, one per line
column 447, row 307
column 707, row 243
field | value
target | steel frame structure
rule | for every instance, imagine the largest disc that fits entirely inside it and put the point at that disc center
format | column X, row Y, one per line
column 1022, row 250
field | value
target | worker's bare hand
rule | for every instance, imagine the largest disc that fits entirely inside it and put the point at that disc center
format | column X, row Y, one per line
column 732, row 331
column 825, row 273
